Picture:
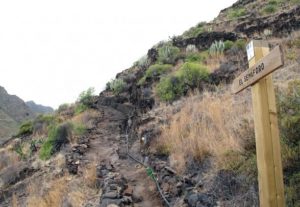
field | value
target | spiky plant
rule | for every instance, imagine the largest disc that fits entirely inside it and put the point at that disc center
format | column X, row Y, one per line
column 217, row 48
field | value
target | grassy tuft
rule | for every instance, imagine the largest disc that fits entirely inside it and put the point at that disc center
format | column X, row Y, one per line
column 236, row 13
column 26, row 128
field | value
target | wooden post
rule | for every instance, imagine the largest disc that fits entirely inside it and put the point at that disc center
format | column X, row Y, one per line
column 270, row 177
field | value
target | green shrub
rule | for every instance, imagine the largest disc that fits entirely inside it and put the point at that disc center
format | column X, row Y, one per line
column 167, row 54
column 217, row 48
column 296, row 42
column 19, row 150
column 86, row 97
column 155, row 71
column 45, row 118
column 41, row 123
column 79, row 129
column 289, row 113
column 117, row 86
column 46, row 150
column 292, row 191
column 26, row 128
column 62, row 107
column 291, row 55
column 194, row 31
column 294, row 1
column 79, row 108
column 170, row 88
column 236, row 13
column 289, row 122
column 192, row 74
column 142, row 81
column 158, row 69
column 57, row 136
column 269, row 9
column 228, row 44
column 197, row 57
column 240, row 44
column 143, row 62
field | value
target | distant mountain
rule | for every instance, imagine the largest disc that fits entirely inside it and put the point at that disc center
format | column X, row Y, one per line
column 39, row 109
column 13, row 111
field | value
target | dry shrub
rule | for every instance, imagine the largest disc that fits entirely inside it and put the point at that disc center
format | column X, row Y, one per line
column 83, row 122
column 90, row 175
column 53, row 197
column 213, row 63
column 8, row 158
column 76, row 198
column 86, row 118
column 210, row 124
column 60, row 161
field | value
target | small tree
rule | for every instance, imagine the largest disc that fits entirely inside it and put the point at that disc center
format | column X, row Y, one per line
column 85, row 97
column 84, row 101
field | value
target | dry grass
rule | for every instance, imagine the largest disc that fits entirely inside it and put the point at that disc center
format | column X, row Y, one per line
column 90, row 175
column 14, row 201
column 58, row 193
column 86, row 118
column 8, row 158
column 76, row 198
column 211, row 124
column 213, row 63
column 53, row 197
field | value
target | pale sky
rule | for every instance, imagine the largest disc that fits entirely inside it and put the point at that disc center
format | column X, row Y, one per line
column 50, row 51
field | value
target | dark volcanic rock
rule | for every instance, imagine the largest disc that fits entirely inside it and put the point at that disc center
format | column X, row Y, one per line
column 200, row 200
column 280, row 25
column 13, row 174
column 152, row 55
column 204, row 40
column 225, row 74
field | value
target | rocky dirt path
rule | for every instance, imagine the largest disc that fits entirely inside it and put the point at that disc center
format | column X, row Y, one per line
column 124, row 182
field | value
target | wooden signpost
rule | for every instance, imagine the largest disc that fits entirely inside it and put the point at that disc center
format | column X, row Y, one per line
column 261, row 64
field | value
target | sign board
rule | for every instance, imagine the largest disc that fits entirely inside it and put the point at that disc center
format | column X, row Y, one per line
column 250, row 50
column 268, row 152
column 262, row 68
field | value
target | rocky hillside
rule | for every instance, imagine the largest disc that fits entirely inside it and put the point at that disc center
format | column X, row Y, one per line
column 167, row 131
column 38, row 108
column 13, row 111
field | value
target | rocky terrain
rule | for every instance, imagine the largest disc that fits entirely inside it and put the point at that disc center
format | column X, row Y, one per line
column 191, row 146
